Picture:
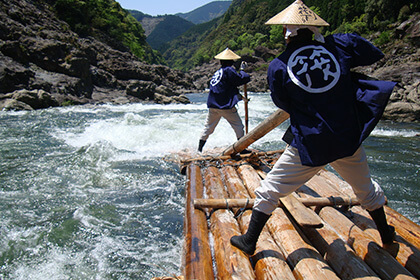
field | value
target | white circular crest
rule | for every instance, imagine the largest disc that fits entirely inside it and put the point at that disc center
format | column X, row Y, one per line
column 314, row 69
column 216, row 77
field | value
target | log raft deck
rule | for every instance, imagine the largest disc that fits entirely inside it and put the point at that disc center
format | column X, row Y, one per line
column 318, row 232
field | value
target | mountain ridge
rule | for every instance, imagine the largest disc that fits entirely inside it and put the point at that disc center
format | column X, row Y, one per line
column 206, row 12
column 162, row 29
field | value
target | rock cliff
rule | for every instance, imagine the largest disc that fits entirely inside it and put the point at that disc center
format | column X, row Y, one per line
column 43, row 64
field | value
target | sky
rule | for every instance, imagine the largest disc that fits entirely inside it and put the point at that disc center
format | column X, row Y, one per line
column 162, row 7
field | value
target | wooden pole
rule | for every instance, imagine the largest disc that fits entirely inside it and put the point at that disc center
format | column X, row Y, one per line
column 231, row 263
column 408, row 232
column 386, row 266
column 304, row 216
column 246, row 107
column 269, row 263
column 248, row 203
column 306, row 262
column 197, row 260
column 338, row 254
column 301, row 257
column 262, row 129
column 226, row 157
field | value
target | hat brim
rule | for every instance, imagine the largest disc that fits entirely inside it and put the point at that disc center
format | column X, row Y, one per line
column 297, row 14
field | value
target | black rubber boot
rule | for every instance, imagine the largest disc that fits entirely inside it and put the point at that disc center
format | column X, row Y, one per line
column 248, row 242
column 201, row 145
column 386, row 231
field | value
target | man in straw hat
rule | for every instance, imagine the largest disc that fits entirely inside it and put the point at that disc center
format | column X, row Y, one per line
column 224, row 95
column 331, row 113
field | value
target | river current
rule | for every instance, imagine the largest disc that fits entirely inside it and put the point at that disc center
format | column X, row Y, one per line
column 91, row 192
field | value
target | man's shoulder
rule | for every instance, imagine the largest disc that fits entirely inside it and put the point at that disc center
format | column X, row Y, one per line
column 343, row 38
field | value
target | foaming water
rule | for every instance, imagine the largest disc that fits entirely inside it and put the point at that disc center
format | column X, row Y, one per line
column 86, row 192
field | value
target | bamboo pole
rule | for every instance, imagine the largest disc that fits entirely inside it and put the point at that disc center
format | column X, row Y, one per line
column 231, row 263
column 375, row 256
column 262, row 129
column 269, row 263
column 197, row 260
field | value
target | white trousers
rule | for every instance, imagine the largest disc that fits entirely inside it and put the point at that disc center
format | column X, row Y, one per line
column 288, row 174
column 213, row 118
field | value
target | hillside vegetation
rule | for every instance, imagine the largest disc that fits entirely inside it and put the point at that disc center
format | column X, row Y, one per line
column 242, row 27
column 107, row 21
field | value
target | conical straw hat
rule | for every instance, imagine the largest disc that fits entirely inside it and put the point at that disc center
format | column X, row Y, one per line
column 297, row 14
column 227, row 54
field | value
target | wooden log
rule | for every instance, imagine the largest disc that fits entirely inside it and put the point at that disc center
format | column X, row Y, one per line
column 268, row 259
column 406, row 228
column 269, row 263
column 409, row 230
column 375, row 256
column 303, row 215
column 248, row 203
column 214, row 184
column 301, row 262
column 303, row 258
column 262, row 129
column 408, row 233
column 197, row 259
column 338, row 254
column 231, row 263
column 404, row 252
column 227, row 157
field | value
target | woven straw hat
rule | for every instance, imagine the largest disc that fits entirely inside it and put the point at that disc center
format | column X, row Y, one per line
column 297, row 14
column 227, row 54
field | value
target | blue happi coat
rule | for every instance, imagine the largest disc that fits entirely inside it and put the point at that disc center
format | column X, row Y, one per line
column 331, row 111
column 224, row 88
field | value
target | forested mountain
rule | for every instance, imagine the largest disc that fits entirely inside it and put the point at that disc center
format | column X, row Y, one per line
column 167, row 30
column 207, row 12
column 107, row 21
column 162, row 29
column 242, row 27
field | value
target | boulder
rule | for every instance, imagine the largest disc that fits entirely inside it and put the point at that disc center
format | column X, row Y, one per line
column 14, row 105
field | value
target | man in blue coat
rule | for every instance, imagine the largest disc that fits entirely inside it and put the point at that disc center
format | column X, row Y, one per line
column 224, row 95
column 331, row 113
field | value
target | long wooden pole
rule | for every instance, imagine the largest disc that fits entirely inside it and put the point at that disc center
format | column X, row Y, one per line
column 262, row 129
column 197, row 260
column 249, row 203
column 246, row 107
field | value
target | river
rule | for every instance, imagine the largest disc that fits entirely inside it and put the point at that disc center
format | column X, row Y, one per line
column 91, row 192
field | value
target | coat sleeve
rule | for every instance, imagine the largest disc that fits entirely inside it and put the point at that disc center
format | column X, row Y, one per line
column 238, row 79
column 362, row 51
column 275, row 79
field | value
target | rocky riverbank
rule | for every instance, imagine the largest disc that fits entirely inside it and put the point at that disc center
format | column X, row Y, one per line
column 44, row 64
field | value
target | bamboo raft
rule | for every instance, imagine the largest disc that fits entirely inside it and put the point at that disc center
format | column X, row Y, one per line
column 318, row 232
